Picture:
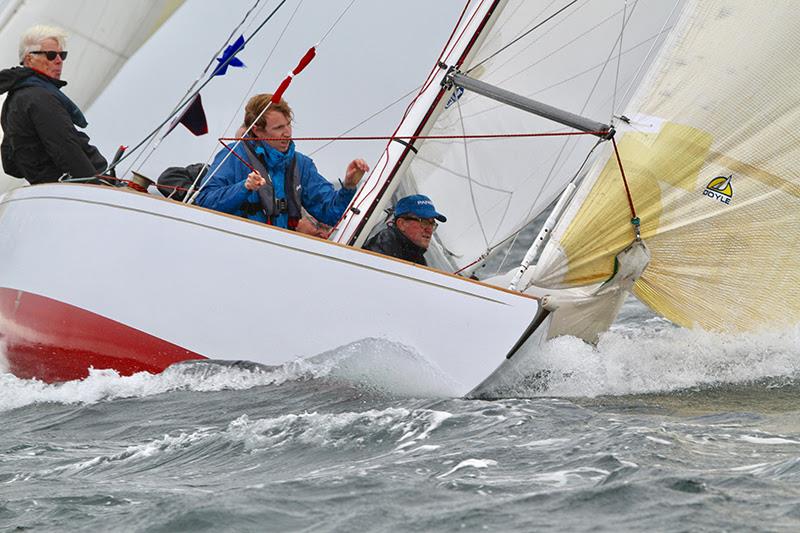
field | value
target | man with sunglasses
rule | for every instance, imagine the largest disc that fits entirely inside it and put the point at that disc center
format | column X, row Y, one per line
column 409, row 233
column 40, row 140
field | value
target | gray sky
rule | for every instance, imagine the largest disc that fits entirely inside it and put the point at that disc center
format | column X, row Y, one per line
column 379, row 50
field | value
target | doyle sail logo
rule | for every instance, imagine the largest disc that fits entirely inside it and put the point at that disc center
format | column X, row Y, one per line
column 720, row 189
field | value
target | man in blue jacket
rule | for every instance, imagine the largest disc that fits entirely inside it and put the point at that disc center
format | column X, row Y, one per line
column 285, row 181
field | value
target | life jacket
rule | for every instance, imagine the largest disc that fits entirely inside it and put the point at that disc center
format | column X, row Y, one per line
column 292, row 188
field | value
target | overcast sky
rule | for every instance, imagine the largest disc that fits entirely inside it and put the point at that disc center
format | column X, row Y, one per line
column 379, row 50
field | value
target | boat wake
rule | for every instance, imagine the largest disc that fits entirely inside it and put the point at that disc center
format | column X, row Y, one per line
column 376, row 365
column 652, row 357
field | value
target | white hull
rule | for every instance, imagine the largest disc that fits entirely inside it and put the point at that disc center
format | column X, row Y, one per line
column 226, row 288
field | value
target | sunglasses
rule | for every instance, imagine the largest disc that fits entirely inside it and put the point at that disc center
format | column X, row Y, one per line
column 423, row 221
column 51, row 54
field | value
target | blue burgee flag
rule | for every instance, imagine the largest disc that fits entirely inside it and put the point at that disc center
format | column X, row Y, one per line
column 230, row 52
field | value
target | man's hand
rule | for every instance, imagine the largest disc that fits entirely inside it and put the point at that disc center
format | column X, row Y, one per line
column 312, row 227
column 254, row 181
column 355, row 171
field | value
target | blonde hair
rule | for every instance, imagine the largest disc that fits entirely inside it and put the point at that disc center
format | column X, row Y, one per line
column 31, row 40
column 255, row 110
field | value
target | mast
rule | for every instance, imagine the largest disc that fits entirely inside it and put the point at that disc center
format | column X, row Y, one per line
column 378, row 188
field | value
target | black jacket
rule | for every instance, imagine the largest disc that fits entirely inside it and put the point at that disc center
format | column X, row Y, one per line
column 40, row 142
column 390, row 241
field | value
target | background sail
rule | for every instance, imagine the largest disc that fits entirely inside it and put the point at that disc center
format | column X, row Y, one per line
column 102, row 36
column 712, row 158
column 490, row 189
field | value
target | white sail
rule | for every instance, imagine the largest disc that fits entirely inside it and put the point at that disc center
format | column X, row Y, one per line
column 102, row 36
column 711, row 155
column 490, row 189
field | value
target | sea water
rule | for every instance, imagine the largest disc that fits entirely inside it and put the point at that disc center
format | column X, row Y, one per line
column 657, row 428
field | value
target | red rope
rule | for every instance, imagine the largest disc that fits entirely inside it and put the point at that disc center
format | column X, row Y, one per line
column 624, row 179
column 228, row 148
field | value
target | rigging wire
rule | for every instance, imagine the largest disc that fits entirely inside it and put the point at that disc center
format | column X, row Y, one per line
column 300, row 67
column 197, row 91
column 182, row 99
column 553, row 28
column 650, row 51
column 575, row 178
column 336, row 22
column 523, row 35
column 260, row 71
column 342, row 135
column 247, row 18
column 619, row 60
column 589, row 96
column 469, row 178
column 248, row 127
column 368, row 192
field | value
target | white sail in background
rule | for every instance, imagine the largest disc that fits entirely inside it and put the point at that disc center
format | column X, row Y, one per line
column 490, row 189
column 102, row 36
column 711, row 155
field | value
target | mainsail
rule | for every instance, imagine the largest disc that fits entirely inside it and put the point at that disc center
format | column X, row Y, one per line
column 711, row 153
column 580, row 59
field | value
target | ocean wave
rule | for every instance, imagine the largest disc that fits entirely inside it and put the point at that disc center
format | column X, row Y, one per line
column 376, row 364
column 395, row 431
column 652, row 357
column 404, row 427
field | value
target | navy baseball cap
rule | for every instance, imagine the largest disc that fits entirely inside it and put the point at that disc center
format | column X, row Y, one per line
column 418, row 205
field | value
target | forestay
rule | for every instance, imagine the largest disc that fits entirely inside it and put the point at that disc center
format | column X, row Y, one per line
column 712, row 155
column 491, row 188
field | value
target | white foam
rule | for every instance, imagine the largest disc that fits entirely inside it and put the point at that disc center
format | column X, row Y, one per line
column 767, row 440
column 389, row 367
column 103, row 385
column 379, row 364
column 473, row 463
column 543, row 443
column 562, row 478
column 654, row 356
column 336, row 429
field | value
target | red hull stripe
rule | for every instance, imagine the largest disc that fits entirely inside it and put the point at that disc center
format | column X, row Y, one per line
column 55, row 341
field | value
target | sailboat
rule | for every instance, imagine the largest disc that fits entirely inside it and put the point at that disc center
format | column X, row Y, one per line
column 668, row 173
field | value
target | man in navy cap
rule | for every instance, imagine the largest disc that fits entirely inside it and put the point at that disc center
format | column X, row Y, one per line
column 409, row 233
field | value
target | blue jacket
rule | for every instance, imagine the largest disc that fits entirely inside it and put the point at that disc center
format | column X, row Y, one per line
column 226, row 192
